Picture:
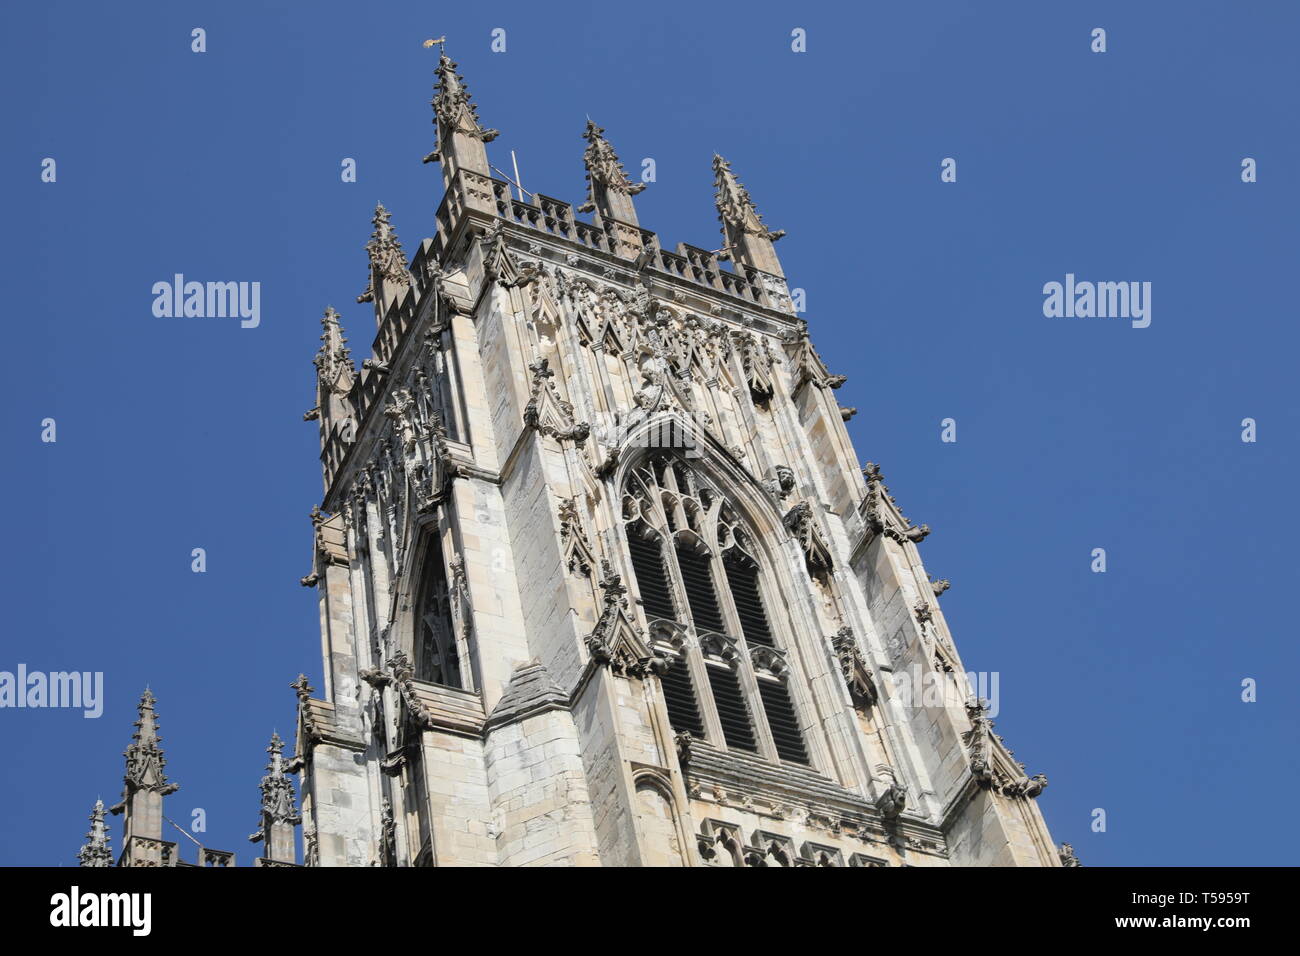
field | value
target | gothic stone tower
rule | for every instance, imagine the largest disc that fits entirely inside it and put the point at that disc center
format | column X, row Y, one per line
column 601, row 579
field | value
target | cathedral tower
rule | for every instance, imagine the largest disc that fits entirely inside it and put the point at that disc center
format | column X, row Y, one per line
column 602, row 580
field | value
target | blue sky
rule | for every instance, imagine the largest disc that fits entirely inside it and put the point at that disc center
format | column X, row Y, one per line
column 1073, row 434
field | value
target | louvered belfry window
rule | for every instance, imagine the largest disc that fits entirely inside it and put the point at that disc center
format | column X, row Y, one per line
column 701, row 587
column 679, row 696
column 742, row 577
column 648, row 564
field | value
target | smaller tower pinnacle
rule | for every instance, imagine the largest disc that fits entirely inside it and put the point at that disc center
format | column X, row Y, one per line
column 334, row 356
column 145, row 786
column 609, row 190
column 460, row 135
column 96, row 851
column 278, row 815
column 144, row 756
column 745, row 237
column 389, row 278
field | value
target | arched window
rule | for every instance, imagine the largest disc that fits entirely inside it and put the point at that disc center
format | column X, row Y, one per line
column 436, row 657
column 701, row 587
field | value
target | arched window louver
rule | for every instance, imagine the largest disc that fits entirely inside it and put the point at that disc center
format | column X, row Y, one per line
column 648, row 565
column 733, row 715
column 742, row 578
column 693, row 564
column 679, row 696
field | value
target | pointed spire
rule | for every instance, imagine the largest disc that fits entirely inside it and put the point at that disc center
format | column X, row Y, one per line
column 388, row 273
column 745, row 237
column 96, row 851
column 460, row 135
column 279, row 815
column 609, row 190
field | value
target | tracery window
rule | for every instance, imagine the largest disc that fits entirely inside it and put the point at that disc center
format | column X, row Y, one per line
column 706, row 600
column 436, row 657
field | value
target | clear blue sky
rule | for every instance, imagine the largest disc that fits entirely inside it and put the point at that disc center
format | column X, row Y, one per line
column 1073, row 434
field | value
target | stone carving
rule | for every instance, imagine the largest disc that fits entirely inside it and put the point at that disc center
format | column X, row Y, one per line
column 310, row 731
column 880, row 511
column 991, row 763
column 401, row 677
column 578, row 556
column 939, row 586
column 924, row 613
column 682, row 742
column 387, row 855
column 780, row 482
column 1024, row 786
column 978, row 743
column 853, row 668
column 499, row 263
column 721, row 646
column 892, row 801
column 756, row 362
column 807, row 367
column 1067, row 856
column 548, row 414
column 462, row 603
column 424, row 455
column 615, row 641
column 769, row 660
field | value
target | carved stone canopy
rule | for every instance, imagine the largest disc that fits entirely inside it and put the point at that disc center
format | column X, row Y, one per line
column 801, row 524
column 853, row 668
column 616, row 641
column 881, row 513
column 991, row 764
column 548, row 414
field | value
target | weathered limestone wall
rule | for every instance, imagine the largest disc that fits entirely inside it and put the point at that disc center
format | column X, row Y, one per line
column 345, row 816
column 459, row 800
column 538, row 790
